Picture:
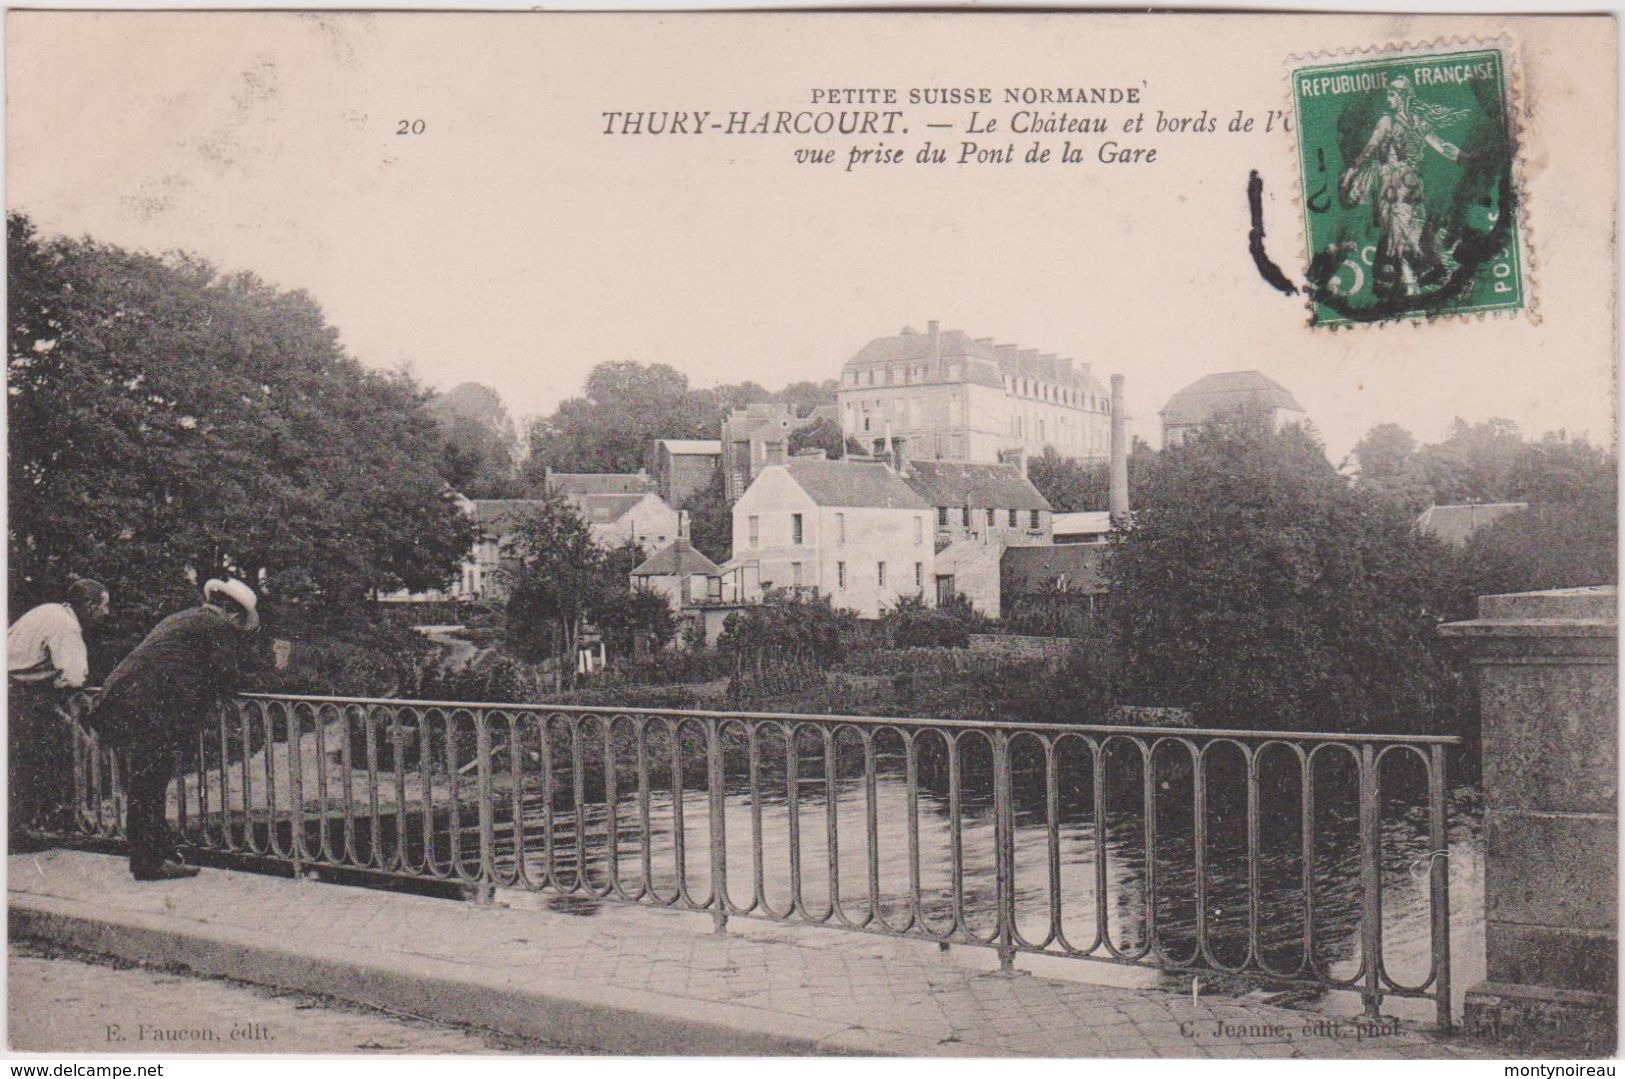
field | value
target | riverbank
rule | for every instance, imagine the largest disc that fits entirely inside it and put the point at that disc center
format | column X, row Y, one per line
column 639, row 981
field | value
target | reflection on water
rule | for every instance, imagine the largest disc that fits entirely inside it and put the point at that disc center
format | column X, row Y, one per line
column 817, row 858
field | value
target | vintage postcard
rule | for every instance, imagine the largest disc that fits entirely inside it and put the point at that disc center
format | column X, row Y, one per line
column 898, row 534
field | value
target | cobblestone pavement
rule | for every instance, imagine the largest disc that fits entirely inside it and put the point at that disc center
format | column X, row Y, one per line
column 64, row 1001
column 782, row 985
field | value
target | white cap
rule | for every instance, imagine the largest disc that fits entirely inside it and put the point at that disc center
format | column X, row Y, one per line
column 239, row 592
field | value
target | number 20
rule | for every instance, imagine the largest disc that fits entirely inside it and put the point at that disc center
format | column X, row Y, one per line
column 410, row 127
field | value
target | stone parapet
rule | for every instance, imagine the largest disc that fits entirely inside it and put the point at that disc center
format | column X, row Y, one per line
column 1548, row 684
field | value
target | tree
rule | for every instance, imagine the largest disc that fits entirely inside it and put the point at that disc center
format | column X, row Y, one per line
column 1071, row 485
column 624, row 615
column 710, row 520
column 821, row 434
column 783, row 641
column 480, row 450
column 168, row 423
column 1474, row 463
column 559, row 571
column 1260, row 589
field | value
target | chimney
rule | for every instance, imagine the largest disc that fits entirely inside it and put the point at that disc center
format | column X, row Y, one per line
column 1017, row 457
column 934, row 328
column 682, row 524
column 1119, row 475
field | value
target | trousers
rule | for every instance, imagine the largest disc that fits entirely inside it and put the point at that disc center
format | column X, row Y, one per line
column 146, row 794
column 39, row 772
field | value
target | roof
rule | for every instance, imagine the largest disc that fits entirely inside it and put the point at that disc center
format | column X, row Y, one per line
column 1453, row 524
column 497, row 513
column 676, row 559
column 960, row 483
column 1212, row 395
column 706, row 446
column 853, row 483
column 600, row 483
column 986, row 363
column 1086, row 523
column 606, row 509
column 1026, row 570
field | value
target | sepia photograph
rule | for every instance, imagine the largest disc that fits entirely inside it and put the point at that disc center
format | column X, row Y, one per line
column 795, row 534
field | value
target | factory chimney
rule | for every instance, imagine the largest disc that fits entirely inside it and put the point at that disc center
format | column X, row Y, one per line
column 1119, row 476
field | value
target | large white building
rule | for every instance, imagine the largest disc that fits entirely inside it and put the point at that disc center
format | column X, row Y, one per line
column 851, row 530
column 943, row 395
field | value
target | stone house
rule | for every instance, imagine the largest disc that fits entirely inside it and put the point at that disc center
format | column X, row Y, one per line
column 683, row 467
column 852, row 530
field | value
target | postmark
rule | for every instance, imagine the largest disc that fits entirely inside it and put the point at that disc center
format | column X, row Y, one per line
column 1408, row 186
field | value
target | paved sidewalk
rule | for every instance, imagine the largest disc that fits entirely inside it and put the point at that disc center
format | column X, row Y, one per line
column 636, row 980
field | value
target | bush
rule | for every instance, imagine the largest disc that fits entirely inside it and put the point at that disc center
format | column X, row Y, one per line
column 909, row 623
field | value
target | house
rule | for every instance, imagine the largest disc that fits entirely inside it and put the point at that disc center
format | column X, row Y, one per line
column 978, row 510
column 943, row 395
column 644, row 519
column 1453, row 524
column 680, row 573
column 852, row 530
column 1233, row 391
column 619, row 507
column 484, row 573
column 1088, row 526
column 971, row 500
column 683, row 467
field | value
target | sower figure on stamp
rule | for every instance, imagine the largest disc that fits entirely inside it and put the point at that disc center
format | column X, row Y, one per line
column 45, row 661
column 1388, row 174
column 157, row 699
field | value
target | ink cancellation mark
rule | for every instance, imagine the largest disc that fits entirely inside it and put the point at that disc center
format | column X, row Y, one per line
column 1409, row 197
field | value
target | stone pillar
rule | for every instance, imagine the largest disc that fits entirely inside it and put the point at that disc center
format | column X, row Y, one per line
column 1548, row 686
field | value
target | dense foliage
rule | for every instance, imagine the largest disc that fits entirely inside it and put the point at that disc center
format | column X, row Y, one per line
column 1262, row 590
column 625, row 405
column 782, row 641
column 480, row 448
column 167, row 422
column 1073, row 486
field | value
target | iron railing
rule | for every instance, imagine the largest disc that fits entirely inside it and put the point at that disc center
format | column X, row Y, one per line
column 982, row 833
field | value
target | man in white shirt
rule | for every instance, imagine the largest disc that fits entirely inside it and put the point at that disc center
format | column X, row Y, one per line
column 45, row 661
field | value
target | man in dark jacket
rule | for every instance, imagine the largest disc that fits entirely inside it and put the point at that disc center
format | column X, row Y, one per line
column 157, row 699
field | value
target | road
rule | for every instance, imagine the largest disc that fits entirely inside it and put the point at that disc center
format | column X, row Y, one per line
column 69, row 1002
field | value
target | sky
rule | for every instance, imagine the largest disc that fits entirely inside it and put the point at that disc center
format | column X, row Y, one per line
column 513, row 243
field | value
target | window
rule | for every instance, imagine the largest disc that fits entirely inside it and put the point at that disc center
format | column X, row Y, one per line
column 990, row 518
column 795, row 574
column 755, row 531
column 795, row 529
column 919, row 575
column 840, row 528
column 964, row 516
column 919, row 531
column 1013, row 521
column 880, row 574
column 840, row 575
column 866, row 423
column 942, row 516
column 1033, row 519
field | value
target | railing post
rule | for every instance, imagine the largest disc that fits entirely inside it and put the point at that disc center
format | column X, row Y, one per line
column 485, row 890
column 1370, row 881
column 293, row 749
column 718, row 829
column 1439, row 845
column 1004, row 851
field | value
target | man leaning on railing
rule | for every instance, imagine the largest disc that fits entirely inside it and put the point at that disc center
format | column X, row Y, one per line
column 45, row 661
column 158, row 697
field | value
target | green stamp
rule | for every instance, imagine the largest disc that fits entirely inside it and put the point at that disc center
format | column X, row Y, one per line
column 1409, row 198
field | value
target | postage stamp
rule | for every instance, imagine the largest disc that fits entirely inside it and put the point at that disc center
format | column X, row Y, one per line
column 1408, row 187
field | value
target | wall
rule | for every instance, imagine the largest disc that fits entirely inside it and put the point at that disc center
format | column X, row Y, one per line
column 651, row 522
column 974, row 565
column 1018, row 647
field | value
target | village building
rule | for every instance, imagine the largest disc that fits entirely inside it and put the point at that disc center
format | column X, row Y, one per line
column 1232, row 392
column 852, row 530
column 1087, row 526
column 680, row 573
column 1453, row 524
column 978, row 510
column 1065, row 582
column 683, row 467
column 620, row 508
column 943, row 395
column 756, row 436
